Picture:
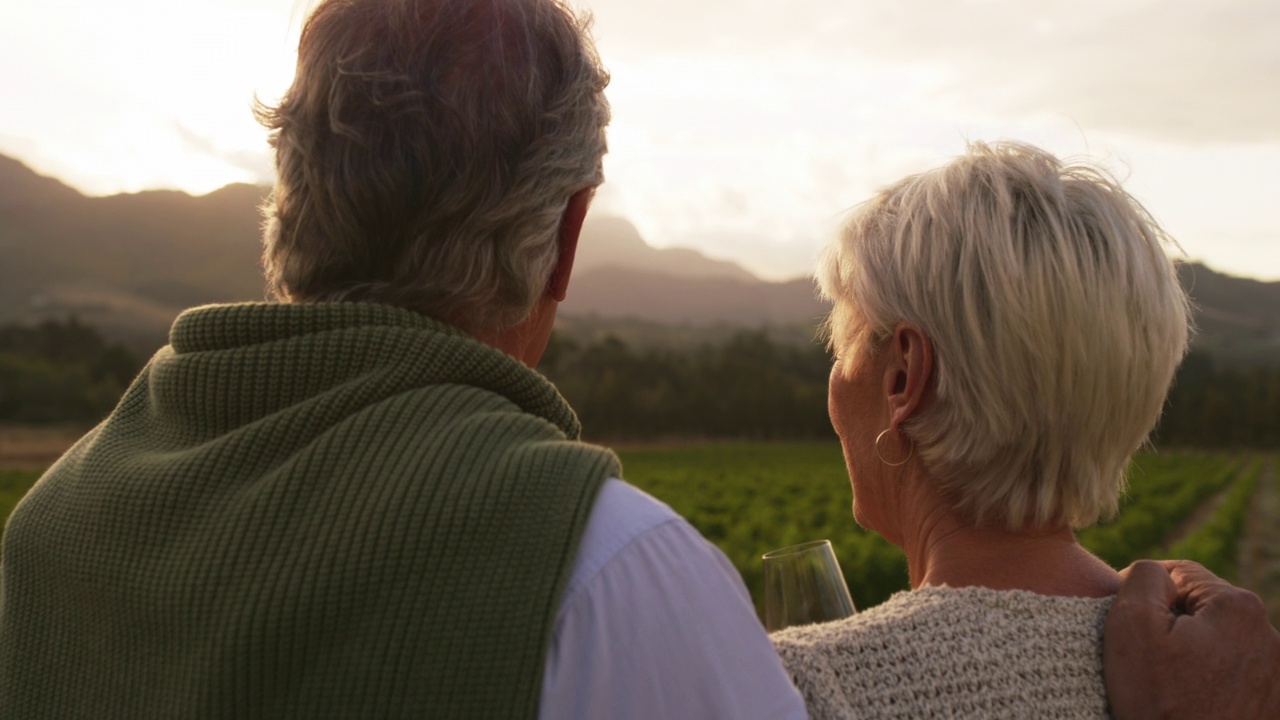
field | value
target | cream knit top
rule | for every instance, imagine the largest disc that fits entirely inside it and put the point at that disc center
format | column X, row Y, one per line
column 961, row 653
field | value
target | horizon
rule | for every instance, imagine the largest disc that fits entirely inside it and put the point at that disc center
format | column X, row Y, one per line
column 592, row 214
column 745, row 133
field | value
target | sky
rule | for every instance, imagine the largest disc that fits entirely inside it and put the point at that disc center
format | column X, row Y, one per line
column 743, row 128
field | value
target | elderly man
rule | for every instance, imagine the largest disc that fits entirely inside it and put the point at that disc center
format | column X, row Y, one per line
column 361, row 501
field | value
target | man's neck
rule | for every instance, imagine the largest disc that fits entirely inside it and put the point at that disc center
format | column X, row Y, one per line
column 526, row 340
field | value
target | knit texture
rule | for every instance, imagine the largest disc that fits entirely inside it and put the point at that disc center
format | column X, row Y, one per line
column 954, row 653
column 323, row 510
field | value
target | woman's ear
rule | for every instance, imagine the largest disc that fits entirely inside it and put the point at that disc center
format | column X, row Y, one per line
column 908, row 375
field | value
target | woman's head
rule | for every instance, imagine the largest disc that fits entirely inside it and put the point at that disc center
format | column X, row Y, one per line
column 1056, row 322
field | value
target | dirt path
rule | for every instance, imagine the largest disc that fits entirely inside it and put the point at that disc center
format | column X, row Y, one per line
column 33, row 447
column 1260, row 544
column 1202, row 513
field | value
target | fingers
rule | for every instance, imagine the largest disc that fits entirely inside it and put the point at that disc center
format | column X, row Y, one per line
column 1142, row 613
column 1219, row 659
column 1188, row 573
column 1137, row 625
column 1200, row 591
column 1147, row 583
column 1197, row 587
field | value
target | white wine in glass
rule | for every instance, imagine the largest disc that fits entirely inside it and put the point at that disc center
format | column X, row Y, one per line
column 803, row 584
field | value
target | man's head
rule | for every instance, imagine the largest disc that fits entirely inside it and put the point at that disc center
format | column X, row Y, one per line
column 427, row 151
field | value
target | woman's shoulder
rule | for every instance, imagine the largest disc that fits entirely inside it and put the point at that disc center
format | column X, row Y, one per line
column 948, row 606
column 988, row 607
column 958, row 647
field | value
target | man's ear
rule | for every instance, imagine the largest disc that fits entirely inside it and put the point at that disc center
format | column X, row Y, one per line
column 908, row 375
column 570, row 229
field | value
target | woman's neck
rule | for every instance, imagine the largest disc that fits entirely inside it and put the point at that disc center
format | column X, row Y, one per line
column 944, row 550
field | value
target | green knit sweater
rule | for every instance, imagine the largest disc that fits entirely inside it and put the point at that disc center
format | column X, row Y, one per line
column 330, row 510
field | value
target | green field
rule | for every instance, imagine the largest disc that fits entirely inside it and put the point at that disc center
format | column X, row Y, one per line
column 13, row 485
column 751, row 498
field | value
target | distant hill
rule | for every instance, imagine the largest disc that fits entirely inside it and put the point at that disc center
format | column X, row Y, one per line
column 613, row 242
column 126, row 263
column 1237, row 319
column 129, row 263
column 625, row 292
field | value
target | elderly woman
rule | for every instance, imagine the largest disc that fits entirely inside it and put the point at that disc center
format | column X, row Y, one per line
column 1006, row 329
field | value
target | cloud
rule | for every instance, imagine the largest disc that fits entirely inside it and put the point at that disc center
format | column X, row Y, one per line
column 1188, row 72
column 255, row 162
column 765, row 256
column 1184, row 71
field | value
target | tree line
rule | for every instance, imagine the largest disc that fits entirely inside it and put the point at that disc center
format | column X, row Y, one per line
column 748, row 387
column 752, row 388
column 1218, row 405
column 61, row 372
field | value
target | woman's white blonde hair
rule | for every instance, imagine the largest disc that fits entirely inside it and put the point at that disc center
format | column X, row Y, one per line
column 1056, row 317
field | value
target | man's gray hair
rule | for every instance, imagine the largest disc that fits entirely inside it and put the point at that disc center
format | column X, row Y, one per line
column 1057, row 322
column 426, row 152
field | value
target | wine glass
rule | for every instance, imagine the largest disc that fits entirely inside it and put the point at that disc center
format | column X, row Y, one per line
column 803, row 584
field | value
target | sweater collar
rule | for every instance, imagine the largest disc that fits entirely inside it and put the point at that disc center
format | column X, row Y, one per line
column 337, row 341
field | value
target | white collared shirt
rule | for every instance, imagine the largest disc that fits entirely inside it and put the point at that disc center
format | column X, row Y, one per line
column 656, row 623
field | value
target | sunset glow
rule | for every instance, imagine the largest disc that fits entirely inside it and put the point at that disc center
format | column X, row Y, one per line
column 744, row 130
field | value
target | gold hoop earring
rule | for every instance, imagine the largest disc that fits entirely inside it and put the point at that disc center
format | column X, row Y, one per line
column 881, row 455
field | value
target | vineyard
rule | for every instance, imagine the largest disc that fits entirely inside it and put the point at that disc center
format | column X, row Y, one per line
column 13, row 485
column 1220, row 509
column 749, row 499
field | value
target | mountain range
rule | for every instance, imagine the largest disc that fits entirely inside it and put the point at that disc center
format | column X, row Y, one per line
column 129, row 263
